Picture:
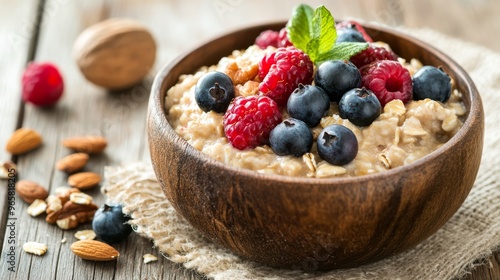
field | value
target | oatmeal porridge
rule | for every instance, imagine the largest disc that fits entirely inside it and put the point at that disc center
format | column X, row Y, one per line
column 400, row 135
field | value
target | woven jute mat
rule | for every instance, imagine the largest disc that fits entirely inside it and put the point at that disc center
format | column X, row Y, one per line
column 470, row 235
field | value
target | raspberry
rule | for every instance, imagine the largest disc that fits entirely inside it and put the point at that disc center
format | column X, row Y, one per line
column 358, row 26
column 371, row 54
column 249, row 120
column 267, row 38
column 42, row 84
column 282, row 71
column 388, row 80
column 273, row 38
column 283, row 39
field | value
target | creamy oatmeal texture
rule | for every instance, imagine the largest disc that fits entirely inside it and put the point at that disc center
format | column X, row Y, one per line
column 399, row 136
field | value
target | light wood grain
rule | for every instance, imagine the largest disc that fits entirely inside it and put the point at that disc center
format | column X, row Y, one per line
column 16, row 38
column 120, row 116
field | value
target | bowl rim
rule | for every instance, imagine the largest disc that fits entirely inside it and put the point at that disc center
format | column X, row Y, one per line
column 157, row 100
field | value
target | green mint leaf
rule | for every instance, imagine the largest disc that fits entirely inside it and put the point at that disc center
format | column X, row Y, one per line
column 312, row 48
column 342, row 51
column 314, row 32
column 323, row 29
column 299, row 26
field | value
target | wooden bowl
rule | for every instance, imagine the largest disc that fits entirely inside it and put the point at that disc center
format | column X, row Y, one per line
column 308, row 223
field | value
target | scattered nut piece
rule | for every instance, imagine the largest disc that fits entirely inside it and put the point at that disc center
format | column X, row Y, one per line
column 87, row 234
column 72, row 163
column 7, row 168
column 63, row 240
column 86, row 144
column 29, row 191
column 54, row 204
column 72, row 215
column 23, row 140
column 84, row 180
column 37, row 207
column 62, row 191
column 80, row 198
column 149, row 258
column 94, row 250
column 35, row 248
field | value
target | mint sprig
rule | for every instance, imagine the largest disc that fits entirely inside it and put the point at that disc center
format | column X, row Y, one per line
column 314, row 32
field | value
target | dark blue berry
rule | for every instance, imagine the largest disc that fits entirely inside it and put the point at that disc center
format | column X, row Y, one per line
column 360, row 106
column 336, row 77
column 337, row 144
column 110, row 224
column 308, row 104
column 431, row 82
column 291, row 137
column 349, row 35
column 214, row 91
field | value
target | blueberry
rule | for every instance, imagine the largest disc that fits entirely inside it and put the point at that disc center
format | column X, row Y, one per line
column 360, row 106
column 308, row 104
column 336, row 77
column 110, row 224
column 337, row 144
column 214, row 91
column 349, row 35
column 291, row 137
column 431, row 82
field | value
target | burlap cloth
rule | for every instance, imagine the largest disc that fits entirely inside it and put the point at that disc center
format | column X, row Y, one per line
column 470, row 235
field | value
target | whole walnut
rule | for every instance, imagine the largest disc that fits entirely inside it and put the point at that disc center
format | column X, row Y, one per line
column 116, row 53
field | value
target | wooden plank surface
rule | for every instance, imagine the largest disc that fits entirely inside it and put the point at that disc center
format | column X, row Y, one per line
column 17, row 36
column 120, row 116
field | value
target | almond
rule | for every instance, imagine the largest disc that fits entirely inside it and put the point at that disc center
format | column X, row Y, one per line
column 84, row 180
column 86, row 144
column 29, row 191
column 72, row 163
column 94, row 250
column 23, row 140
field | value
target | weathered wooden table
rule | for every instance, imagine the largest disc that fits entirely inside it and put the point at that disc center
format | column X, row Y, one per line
column 45, row 30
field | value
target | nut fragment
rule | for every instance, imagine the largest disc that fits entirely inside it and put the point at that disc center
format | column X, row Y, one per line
column 149, row 258
column 87, row 234
column 72, row 163
column 84, row 180
column 8, row 169
column 23, row 140
column 69, row 209
column 86, row 144
column 29, row 191
column 80, row 198
column 35, row 248
column 94, row 250
column 37, row 207
column 72, row 215
column 54, row 203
